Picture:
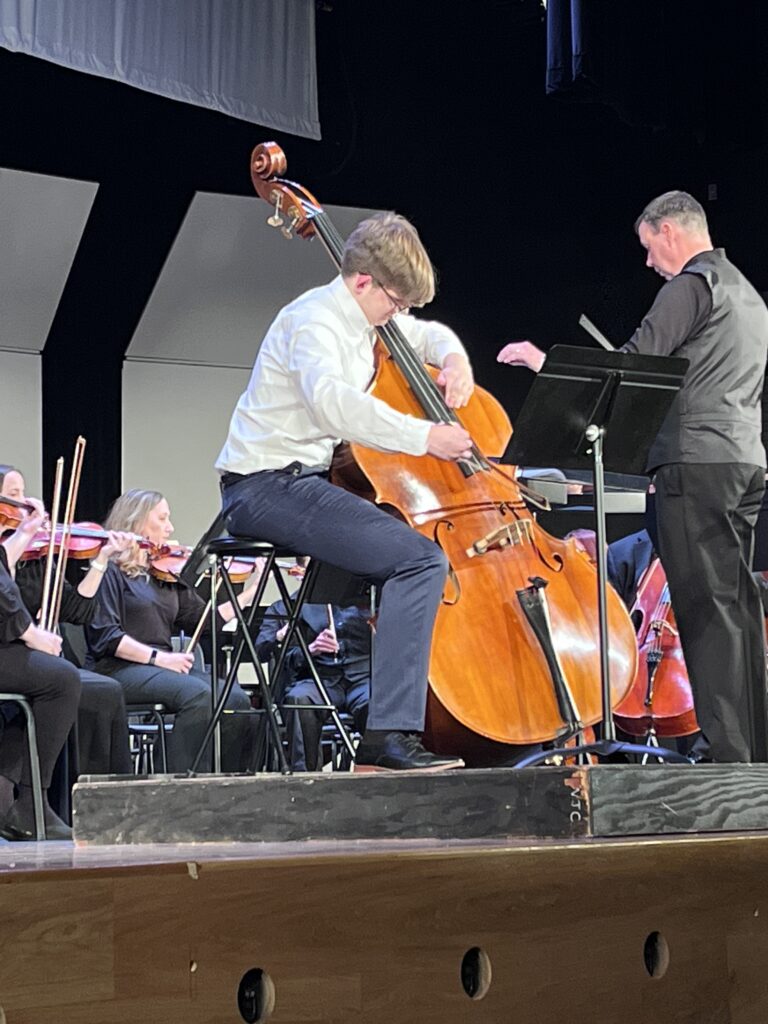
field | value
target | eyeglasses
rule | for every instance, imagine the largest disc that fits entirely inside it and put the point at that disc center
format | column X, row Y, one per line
column 400, row 306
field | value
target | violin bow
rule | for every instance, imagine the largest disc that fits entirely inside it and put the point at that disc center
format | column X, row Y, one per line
column 46, row 600
column 69, row 516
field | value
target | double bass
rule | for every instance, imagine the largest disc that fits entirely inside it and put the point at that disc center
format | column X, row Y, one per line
column 515, row 656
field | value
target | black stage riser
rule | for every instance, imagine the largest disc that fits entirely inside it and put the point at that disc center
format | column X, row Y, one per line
column 535, row 803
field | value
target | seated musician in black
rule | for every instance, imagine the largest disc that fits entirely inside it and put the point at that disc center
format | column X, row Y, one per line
column 102, row 746
column 342, row 657
column 131, row 636
column 30, row 664
column 629, row 557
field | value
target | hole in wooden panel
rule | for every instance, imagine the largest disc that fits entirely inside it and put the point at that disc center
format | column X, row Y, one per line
column 256, row 996
column 656, row 955
column 476, row 972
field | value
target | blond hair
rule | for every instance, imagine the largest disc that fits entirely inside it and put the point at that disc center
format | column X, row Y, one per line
column 388, row 247
column 129, row 513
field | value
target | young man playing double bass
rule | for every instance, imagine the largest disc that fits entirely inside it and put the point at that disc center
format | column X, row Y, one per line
column 708, row 464
column 307, row 393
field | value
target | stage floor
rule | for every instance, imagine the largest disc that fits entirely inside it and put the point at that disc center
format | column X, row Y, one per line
column 625, row 930
column 16, row 858
column 605, row 894
column 63, row 856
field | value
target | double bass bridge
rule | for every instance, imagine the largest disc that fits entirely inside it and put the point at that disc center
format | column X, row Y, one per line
column 508, row 535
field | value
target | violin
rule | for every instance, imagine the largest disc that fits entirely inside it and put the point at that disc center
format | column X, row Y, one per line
column 13, row 513
column 81, row 540
column 167, row 561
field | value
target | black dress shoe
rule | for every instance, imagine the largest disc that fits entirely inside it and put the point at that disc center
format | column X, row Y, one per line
column 15, row 828
column 18, row 826
column 13, row 834
column 401, row 751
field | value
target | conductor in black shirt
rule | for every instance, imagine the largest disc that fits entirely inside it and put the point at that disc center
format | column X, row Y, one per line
column 708, row 464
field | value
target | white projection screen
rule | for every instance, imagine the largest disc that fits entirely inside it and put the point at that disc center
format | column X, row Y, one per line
column 226, row 276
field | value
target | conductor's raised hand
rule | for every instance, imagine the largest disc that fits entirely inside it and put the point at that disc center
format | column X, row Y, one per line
column 449, row 441
column 522, row 353
column 456, row 380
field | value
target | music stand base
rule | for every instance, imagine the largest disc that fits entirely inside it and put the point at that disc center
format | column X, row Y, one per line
column 604, row 748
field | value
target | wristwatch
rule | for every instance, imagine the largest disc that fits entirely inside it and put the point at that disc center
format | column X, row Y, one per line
column 153, row 657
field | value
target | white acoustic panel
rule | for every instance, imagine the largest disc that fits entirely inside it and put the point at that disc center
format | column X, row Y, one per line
column 226, row 276
column 22, row 438
column 42, row 219
column 175, row 420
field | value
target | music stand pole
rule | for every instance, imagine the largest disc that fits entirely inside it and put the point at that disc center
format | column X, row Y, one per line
column 579, row 399
column 595, row 434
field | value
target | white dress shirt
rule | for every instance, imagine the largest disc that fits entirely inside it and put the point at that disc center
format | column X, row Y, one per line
column 307, row 391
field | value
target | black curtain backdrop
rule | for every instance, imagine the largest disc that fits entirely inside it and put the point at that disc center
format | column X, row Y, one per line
column 525, row 200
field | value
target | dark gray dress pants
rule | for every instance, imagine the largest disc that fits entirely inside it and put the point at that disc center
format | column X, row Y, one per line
column 310, row 516
column 706, row 515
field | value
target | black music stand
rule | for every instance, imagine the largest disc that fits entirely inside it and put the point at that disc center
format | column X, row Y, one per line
column 596, row 410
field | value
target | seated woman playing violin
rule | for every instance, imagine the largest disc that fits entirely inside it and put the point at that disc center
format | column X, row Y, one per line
column 102, row 727
column 130, row 637
column 30, row 665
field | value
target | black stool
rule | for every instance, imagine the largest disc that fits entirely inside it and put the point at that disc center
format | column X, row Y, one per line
column 219, row 553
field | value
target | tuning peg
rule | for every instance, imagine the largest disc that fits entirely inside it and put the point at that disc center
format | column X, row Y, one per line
column 293, row 216
column 276, row 220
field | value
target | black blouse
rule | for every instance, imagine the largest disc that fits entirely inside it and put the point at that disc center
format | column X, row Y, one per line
column 30, row 577
column 14, row 617
column 141, row 607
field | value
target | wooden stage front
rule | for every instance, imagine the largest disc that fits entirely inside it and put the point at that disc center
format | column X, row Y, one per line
column 645, row 928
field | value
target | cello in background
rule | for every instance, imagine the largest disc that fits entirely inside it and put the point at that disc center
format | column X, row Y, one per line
column 660, row 701
column 515, row 656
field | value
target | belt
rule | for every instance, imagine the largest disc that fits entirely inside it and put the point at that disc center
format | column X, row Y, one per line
column 294, row 468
